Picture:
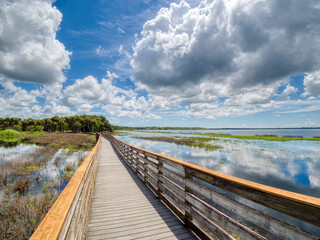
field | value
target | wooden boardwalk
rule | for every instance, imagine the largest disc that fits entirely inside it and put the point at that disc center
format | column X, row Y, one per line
column 124, row 208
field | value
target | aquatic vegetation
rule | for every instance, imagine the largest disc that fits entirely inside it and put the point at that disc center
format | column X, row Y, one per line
column 21, row 185
column 21, row 216
column 235, row 236
column 37, row 177
column 71, row 141
column 57, row 161
column 80, row 161
column 68, row 171
column 257, row 137
column 190, row 141
column 33, row 168
column 69, row 167
column 263, row 137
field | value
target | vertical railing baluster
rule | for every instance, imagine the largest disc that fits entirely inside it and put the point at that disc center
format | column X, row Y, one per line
column 187, row 190
column 145, row 166
column 160, row 174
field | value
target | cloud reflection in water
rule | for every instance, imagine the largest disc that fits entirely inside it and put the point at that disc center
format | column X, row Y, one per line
column 292, row 165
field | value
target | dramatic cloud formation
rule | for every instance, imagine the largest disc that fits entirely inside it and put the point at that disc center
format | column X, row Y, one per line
column 89, row 90
column 227, row 48
column 91, row 93
column 205, row 59
column 286, row 92
column 312, row 84
column 19, row 102
column 29, row 50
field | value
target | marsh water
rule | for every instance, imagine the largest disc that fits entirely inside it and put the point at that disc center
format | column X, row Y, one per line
column 289, row 165
column 281, row 132
column 14, row 156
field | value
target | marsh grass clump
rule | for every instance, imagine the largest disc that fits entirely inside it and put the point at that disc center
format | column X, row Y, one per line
column 80, row 161
column 66, row 174
column 51, row 186
column 21, row 185
column 57, row 161
column 200, row 142
column 70, row 167
column 4, row 179
column 37, row 177
column 68, row 171
column 21, row 216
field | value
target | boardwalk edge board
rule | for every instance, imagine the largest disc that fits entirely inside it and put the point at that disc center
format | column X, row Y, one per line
column 68, row 217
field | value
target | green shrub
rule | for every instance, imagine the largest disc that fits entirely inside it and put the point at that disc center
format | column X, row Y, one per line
column 38, row 128
column 30, row 128
column 10, row 133
column 17, row 127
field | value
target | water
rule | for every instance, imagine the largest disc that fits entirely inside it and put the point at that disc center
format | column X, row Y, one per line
column 306, row 133
column 291, row 165
column 13, row 157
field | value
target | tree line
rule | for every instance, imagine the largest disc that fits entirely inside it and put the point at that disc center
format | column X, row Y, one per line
column 75, row 124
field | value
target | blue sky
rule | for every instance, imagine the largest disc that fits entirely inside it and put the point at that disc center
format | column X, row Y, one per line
column 159, row 63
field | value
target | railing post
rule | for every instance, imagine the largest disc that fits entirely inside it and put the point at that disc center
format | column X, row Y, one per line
column 187, row 214
column 145, row 165
column 160, row 173
column 129, row 153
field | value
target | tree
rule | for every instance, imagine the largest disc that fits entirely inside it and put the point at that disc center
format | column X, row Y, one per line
column 83, row 123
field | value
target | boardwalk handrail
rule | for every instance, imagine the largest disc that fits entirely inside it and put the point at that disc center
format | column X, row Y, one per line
column 190, row 191
column 68, row 216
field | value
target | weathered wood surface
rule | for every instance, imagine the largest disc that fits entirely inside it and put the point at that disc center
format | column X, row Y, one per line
column 124, row 208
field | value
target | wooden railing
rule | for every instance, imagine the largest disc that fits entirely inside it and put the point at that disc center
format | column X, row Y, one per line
column 188, row 190
column 68, row 217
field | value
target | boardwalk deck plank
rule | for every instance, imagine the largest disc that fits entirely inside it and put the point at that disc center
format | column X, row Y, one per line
column 124, row 208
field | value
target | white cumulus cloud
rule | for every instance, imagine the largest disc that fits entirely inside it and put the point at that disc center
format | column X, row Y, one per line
column 229, row 47
column 29, row 50
column 312, row 84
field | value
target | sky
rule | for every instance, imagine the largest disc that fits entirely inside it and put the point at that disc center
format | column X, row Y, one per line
column 210, row 63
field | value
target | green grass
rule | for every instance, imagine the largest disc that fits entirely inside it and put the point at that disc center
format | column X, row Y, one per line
column 262, row 137
column 92, row 138
column 190, row 141
column 10, row 133
column 38, row 133
column 66, row 174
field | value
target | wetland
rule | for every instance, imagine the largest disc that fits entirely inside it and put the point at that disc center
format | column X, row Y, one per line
column 35, row 168
column 288, row 162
